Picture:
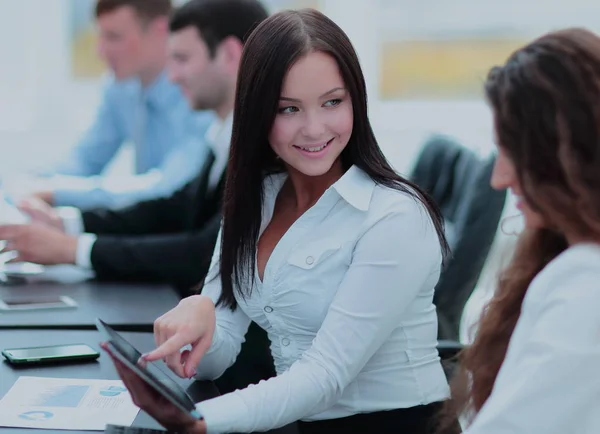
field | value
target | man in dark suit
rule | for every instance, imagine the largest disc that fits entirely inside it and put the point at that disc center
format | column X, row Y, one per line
column 167, row 239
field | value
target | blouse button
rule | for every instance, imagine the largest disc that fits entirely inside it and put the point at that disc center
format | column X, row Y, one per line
column 285, row 342
column 310, row 260
column 268, row 309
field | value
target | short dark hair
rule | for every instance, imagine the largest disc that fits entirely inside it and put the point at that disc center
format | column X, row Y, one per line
column 147, row 10
column 216, row 20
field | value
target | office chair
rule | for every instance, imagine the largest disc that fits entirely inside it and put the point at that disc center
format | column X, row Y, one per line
column 459, row 182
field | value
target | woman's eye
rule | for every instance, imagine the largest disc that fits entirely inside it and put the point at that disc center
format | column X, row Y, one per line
column 286, row 110
column 333, row 102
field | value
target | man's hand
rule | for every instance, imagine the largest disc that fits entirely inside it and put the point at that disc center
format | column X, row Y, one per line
column 41, row 213
column 39, row 244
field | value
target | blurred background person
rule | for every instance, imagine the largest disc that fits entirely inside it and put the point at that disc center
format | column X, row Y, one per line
column 140, row 106
column 168, row 239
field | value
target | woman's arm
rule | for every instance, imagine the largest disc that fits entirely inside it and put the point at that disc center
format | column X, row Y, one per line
column 551, row 384
column 392, row 261
column 215, row 334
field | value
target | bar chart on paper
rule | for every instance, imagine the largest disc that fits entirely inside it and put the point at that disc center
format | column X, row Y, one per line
column 63, row 403
column 61, row 396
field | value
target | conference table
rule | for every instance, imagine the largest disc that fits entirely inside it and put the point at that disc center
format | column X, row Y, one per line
column 130, row 308
column 125, row 306
column 102, row 369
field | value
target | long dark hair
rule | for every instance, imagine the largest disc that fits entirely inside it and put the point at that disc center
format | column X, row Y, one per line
column 269, row 52
column 546, row 105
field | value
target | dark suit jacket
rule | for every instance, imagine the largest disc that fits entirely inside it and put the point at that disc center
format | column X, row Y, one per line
column 167, row 239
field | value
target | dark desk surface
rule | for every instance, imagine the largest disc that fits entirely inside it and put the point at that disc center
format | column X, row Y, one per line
column 103, row 369
column 126, row 306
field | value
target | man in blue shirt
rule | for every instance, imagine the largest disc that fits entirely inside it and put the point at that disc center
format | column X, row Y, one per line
column 168, row 239
column 141, row 106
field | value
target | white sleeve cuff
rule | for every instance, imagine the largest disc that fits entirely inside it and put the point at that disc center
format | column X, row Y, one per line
column 217, row 413
column 71, row 218
column 83, row 256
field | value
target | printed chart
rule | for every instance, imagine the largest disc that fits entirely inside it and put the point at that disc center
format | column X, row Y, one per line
column 63, row 403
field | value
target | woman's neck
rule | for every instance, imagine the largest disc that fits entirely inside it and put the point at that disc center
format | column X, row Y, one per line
column 306, row 190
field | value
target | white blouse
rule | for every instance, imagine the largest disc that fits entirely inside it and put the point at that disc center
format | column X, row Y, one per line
column 346, row 301
column 550, row 380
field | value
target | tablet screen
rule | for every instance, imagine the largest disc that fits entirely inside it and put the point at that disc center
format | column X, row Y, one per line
column 149, row 372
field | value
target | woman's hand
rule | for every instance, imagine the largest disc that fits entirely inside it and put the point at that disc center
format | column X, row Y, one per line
column 192, row 322
column 160, row 408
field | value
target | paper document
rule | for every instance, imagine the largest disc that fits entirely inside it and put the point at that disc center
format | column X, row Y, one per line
column 66, row 404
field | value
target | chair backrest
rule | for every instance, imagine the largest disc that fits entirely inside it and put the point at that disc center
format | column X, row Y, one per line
column 459, row 182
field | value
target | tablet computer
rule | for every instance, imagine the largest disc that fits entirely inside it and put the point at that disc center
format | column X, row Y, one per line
column 147, row 371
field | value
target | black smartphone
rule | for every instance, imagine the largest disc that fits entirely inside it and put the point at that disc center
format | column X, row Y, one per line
column 50, row 354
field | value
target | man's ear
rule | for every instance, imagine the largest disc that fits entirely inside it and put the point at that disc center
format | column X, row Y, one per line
column 230, row 52
column 159, row 25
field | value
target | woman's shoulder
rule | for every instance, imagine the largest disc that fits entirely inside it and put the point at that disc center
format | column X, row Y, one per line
column 577, row 259
column 574, row 273
column 396, row 203
column 400, row 200
column 404, row 215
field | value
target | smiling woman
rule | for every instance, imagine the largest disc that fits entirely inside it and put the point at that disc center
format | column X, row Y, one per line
column 313, row 123
column 314, row 249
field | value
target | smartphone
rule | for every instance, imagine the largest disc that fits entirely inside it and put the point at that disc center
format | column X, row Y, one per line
column 50, row 354
column 36, row 303
column 147, row 371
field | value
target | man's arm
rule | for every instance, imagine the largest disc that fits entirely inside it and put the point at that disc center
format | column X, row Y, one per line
column 180, row 259
column 99, row 144
column 182, row 164
column 157, row 216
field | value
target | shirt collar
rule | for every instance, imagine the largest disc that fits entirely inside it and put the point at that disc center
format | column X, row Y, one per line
column 218, row 134
column 356, row 188
column 161, row 91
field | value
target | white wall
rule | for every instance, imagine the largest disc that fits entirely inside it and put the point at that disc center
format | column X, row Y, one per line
column 410, row 18
column 42, row 111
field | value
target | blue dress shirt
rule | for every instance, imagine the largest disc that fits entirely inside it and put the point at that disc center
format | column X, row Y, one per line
column 168, row 138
